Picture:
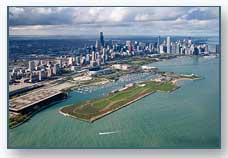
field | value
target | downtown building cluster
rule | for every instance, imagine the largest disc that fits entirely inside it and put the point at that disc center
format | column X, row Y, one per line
column 182, row 47
column 37, row 70
column 102, row 52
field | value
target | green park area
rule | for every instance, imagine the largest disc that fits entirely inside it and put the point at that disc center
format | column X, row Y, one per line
column 92, row 110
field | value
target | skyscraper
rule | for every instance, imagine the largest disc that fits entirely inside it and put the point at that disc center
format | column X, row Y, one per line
column 168, row 45
column 60, row 62
column 97, row 45
column 129, row 46
column 70, row 61
column 103, row 56
column 31, row 66
column 77, row 60
column 56, row 69
column 161, row 49
column 102, row 39
column 158, row 44
column 93, row 61
column 177, row 49
column 173, row 48
column 93, row 56
column 87, row 58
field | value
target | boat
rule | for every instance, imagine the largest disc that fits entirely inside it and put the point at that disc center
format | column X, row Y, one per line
column 106, row 133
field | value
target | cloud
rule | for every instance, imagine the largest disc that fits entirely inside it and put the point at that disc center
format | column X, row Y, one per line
column 113, row 20
column 202, row 13
column 39, row 16
column 142, row 17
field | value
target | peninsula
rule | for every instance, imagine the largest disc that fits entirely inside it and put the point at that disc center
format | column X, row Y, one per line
column 95, row 109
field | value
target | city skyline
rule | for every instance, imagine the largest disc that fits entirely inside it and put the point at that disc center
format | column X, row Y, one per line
column 97, row 55
column 150, row 21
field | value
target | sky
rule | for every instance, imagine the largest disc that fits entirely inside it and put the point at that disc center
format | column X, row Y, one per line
column 148, row 21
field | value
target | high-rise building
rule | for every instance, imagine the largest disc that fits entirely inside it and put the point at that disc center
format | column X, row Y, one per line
column 182, row 51
column 82, row 60
column 93, row 60
column 161, row 49
column 129, row 46
column 150, row 47
column 177, row 49
column 48, row 63
column 138, row 48
column 168, row 45
column 70, row 61
column 49, row 72
column 93, row 56
column 37, row 63
column 206, row 50
column 173, row 48
column 42, row 62
column 87, row 58
column 31, row 66
column 60, row 62
column 98, row 61
column 196, row 51
column 189, row 42
column 77, row 58
column 56, row 69
column 158, row 44
column 103, row 56
column 42, row 75
column 33, row 77
column 96, row 45
column 102, row 39
column 192, row 49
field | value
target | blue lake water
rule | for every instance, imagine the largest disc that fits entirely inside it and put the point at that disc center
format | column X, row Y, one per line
column 186, row 118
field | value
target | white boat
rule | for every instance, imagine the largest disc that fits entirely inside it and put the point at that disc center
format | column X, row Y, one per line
column 106, row 133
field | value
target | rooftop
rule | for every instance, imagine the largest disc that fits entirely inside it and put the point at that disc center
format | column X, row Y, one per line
column 27, row 100
column 18, row 86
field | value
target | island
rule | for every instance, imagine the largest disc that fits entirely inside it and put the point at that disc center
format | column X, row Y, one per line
column 95, row 109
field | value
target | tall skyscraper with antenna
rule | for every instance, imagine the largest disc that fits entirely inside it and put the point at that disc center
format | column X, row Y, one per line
column 102, row 39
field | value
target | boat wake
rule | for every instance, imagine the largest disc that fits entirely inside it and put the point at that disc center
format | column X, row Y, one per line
column 106, row 133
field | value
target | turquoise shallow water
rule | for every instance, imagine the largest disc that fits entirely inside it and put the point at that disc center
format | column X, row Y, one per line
column 186, row 118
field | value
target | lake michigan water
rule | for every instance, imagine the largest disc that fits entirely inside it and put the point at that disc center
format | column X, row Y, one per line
column 186, row 118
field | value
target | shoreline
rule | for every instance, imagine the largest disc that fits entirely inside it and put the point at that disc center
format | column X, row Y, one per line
column 106, row 113
column 29, row 116
column 93, row 119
